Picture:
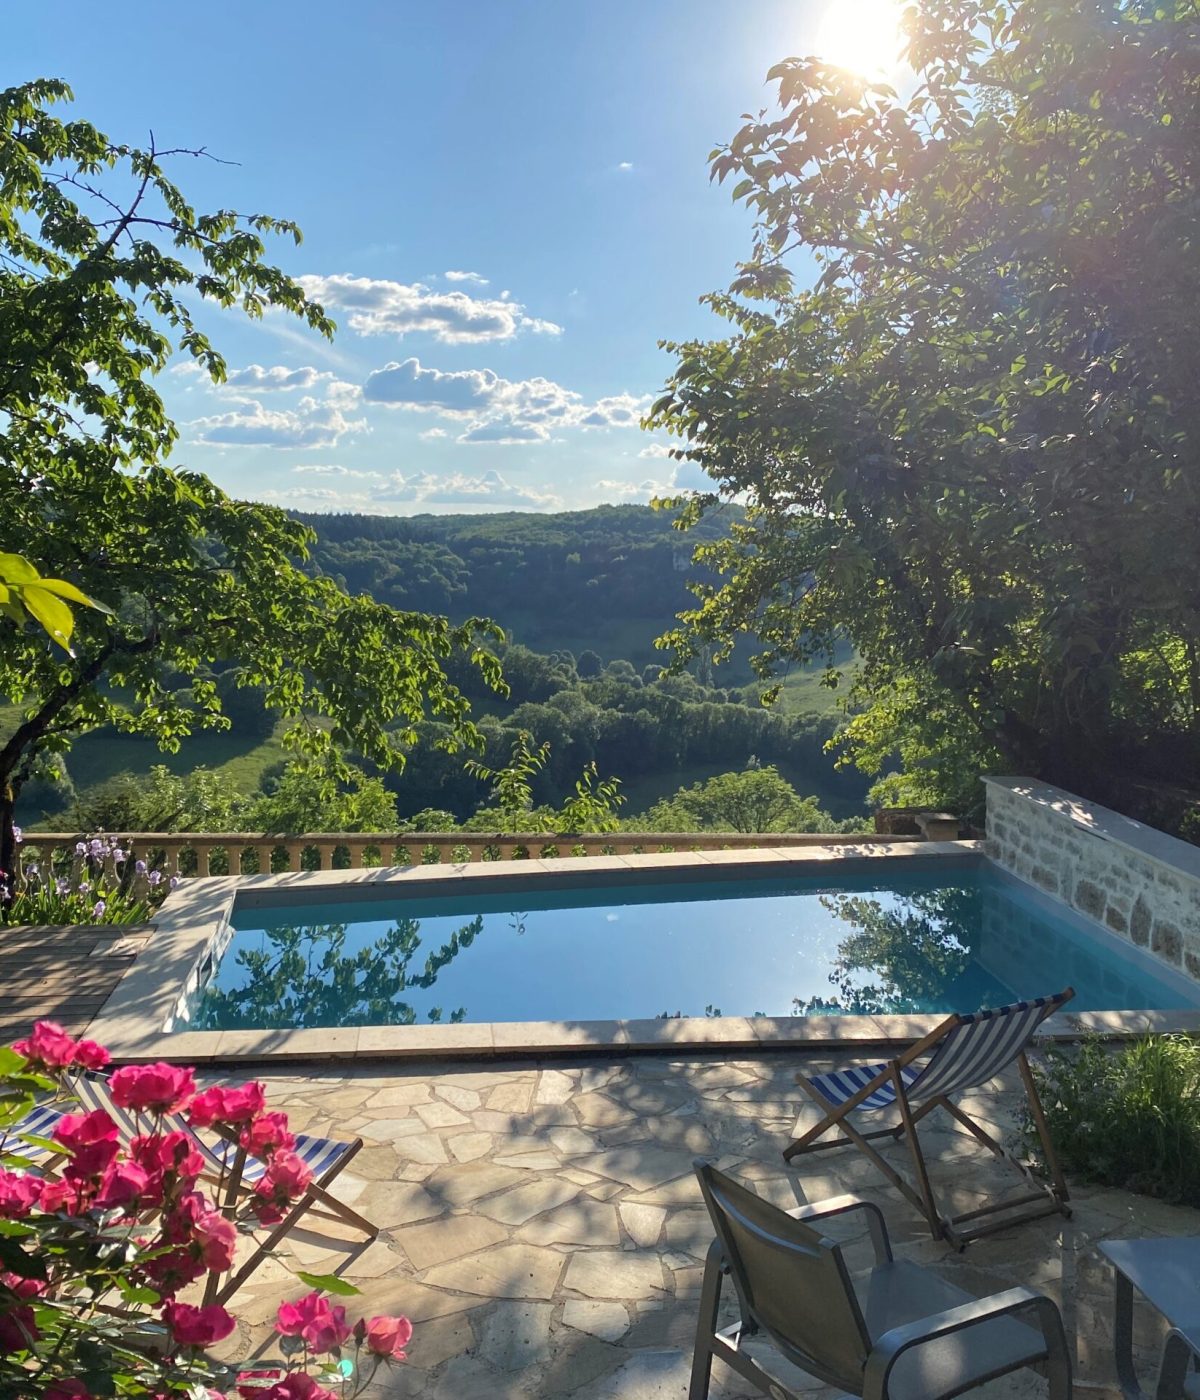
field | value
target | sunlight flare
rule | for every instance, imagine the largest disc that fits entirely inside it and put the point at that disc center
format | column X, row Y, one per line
column 862, row 36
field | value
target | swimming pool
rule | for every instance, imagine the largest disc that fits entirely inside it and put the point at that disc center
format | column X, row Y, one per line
column 952, row 936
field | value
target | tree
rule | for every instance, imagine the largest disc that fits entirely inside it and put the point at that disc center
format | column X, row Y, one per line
column 755, row 800
column 320, row 975
column 100, row 258
column 971, row 445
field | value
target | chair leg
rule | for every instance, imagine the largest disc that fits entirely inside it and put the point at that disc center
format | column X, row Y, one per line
column 318, row 1190
column 706, row 1325
column 909, row 1119
column 1043, row 1129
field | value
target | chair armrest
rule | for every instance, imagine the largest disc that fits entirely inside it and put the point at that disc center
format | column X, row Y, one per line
column 1179, row 1351
column 888, row 1348
column 842, row 1205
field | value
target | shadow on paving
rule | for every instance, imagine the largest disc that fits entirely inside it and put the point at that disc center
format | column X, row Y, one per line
column 542, row 1227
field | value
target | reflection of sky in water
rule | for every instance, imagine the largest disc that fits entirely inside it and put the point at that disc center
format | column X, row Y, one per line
column 768, row 946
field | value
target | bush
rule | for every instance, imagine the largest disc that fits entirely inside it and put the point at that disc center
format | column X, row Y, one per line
column 1129, row 1118
column 96, row 1250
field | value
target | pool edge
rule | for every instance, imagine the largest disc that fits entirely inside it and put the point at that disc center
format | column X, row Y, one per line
column 192, row 921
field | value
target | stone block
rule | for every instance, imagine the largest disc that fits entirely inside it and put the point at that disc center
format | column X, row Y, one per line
column 1166, row 940
column 1139, row 922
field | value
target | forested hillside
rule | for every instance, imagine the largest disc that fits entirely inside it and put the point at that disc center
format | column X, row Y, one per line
column 609, row 579
column 581, row 596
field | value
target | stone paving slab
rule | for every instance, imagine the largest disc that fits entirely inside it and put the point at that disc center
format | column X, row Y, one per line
column 544, row 1230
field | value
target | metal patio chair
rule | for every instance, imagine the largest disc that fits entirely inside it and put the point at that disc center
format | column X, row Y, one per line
column 905, row 1334
column 1177, row 1373
column 962, row 1052
column 235, row 1172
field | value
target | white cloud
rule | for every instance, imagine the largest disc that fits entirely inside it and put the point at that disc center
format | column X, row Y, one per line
column 618, row 411
column 500, row 430
column 331, row 469
column 625, row 165
column 497, row 409
column 380, row 307
column 309, row 425
column 465, row 277
column 490, row 489
column 453, row 393
column 432, row 434
column 655, row 449
column 260, row 377
column 302, row 493
column 640, row 491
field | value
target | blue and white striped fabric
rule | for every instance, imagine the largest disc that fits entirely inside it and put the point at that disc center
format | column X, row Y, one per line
column 317, row 1153
column 41, row 1122
column 972, row 1052
column 843, row 1084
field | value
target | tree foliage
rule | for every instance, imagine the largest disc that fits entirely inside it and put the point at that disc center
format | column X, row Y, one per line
column 755, row 800
column 971, row 443
column 103, row 263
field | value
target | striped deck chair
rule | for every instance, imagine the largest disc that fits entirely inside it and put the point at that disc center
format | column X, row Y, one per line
column 961, row 1053
column 40, row 1122
column 235, row 1173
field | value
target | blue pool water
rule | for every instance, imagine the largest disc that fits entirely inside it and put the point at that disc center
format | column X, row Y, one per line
column 951, row 938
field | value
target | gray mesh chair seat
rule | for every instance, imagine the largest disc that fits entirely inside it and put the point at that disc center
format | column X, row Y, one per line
column 962, row 1053
column 904, row 1333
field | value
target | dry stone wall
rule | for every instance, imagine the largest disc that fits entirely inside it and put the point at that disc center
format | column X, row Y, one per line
column 1142, row 884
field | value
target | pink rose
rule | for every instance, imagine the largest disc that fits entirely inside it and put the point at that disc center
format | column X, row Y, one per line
column 76, row 1130
column 217, row 1239
column 286, row 1179
column 388, row 1336
column 124, row 1183
column 19, row 1193
column 244, row 1102
column 197, row 1327
column 68, row 1390
column 91, row 1140
column 312, row 1317
column 18, row 1330
column 172, row 1271
column 267, row 1135
column 158, row 1088
column 49, row 1047
column 89, row 1055
column 297, row 1386
column 222, row 1104
column 167, row 1155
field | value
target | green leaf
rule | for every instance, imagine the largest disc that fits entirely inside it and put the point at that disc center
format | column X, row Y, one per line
column 51, row 612
column 328, row 1283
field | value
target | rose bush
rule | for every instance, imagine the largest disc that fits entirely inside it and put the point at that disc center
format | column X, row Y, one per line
column 100, row 1232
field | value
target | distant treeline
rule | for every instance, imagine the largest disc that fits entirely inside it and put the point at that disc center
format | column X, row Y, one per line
column 542, row 576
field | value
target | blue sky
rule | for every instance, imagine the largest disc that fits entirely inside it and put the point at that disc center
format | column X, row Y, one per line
column 505, row 206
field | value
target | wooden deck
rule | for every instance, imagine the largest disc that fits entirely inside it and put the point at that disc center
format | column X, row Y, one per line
column 61, row 974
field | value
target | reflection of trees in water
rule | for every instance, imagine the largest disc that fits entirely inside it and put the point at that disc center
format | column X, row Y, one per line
column 910, row 953
column 304, row 978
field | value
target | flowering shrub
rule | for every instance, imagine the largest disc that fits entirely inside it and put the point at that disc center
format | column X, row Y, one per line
column 97, row 1245
column 103, row 884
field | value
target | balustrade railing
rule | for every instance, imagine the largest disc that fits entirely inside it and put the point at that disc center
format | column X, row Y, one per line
column 249, row 853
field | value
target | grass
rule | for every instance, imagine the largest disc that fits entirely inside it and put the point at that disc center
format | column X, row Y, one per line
column 1130, row 1118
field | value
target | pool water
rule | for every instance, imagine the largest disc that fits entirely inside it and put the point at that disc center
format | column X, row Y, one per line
column 948, row 939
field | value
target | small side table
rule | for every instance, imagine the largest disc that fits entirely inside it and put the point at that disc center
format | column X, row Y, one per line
column 1166, row 1272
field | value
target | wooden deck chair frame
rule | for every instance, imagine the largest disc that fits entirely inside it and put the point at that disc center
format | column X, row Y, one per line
column 228, row 1177
column 318, row 1191
column 896, row 1081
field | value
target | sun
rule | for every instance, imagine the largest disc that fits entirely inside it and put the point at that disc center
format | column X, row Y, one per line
column 860, row 35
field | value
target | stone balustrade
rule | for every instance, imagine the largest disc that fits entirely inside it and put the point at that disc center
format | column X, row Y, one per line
column 245, row 852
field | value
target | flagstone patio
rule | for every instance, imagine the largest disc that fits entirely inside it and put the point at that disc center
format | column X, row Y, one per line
column 543, row 1230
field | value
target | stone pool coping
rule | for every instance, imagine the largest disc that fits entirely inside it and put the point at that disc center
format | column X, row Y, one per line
column 147, row 998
